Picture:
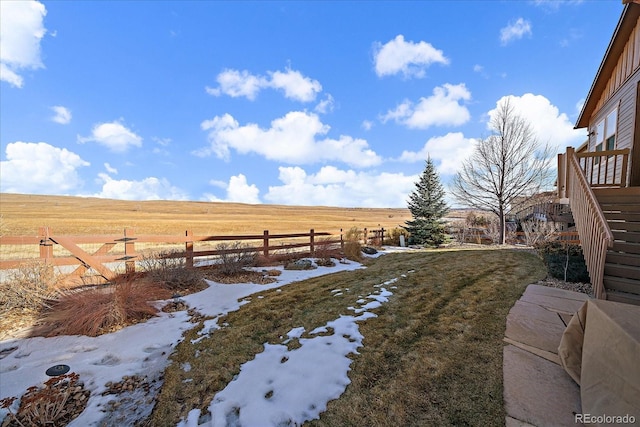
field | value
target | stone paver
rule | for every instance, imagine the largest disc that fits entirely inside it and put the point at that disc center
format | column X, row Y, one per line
column 537, row 390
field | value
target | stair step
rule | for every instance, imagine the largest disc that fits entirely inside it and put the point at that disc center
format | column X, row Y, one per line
column 626, row 236
column 622, row 270
column 621, row 225
column 624, row 297
column 622, row 258
column 628, row 247
column 624, row 216
column 624, row 195
column 622, row 207
column 621, row 284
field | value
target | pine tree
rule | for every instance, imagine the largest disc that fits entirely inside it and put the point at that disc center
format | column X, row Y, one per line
column 427, row 206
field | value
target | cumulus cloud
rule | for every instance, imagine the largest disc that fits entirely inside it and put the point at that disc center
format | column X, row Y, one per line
column 296, row 138
column 325, row 106
column 444, row 108
column 150, row 188
column 406, row 57
column 114, row 135
column 40, row 168
column 331, row 186
column 293, row 83
column 545, row 118
column 515, row 31
column 21, row 30
column 448, row 152
column 110, row 169
column 62, row 115
column 237, row 189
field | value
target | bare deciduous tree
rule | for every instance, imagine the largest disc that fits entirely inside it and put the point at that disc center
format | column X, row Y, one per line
column 508, row 164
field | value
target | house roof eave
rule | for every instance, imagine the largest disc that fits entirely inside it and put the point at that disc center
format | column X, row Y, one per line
column 625, row 26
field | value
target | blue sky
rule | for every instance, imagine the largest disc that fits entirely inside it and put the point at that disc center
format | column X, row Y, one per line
column 302, row 103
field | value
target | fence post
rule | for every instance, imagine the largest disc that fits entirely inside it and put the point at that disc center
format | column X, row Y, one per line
column 129, row 248
column 265, row 243
column 312, row 248
column 364, row 236
column 381, row 236
column 46, row 246
column 341, row 241
column 188, row 249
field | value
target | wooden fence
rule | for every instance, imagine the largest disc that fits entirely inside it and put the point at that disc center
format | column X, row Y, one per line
column 125, row 248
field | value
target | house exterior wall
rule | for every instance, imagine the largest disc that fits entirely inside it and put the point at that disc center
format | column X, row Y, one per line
column 621, row 93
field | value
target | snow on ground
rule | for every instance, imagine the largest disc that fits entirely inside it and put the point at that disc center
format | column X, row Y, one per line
column 277, row 386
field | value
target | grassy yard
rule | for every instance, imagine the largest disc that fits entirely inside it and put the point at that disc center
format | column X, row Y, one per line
column 432, row 356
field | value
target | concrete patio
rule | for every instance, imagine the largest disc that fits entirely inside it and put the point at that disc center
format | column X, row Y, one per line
column 537, row 390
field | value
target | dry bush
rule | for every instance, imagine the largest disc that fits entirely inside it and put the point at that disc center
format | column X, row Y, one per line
column 352, row 245
column 103, row 309
column 537, row 232
column 27, row 287
column 171, row 271
column 235, row 257
column 61, row 400
column 324, row 250
column 392, row 237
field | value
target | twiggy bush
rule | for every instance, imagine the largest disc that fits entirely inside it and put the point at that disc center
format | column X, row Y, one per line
column 171, row 271
column 27, row 287
column 234, row 257
column 392, row 237
column 61, row 400
column 101, row 310
column 352, row 245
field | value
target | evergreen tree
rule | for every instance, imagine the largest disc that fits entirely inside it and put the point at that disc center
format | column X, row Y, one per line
column 427, row 207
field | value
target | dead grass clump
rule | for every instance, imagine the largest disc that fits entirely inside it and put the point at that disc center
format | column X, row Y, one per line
column 61, row 400
column 27, row 287
column 102, row 309
column 352, row 245
column 244, row 276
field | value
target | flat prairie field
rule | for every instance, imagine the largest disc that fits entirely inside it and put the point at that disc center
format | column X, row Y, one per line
column 24, row 214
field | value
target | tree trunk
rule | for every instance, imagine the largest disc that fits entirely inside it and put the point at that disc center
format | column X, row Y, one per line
column 503, row 225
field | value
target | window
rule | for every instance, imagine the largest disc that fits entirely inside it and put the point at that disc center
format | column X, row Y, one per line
column 606, row 133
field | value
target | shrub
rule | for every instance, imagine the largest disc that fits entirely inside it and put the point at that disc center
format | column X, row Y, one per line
column 27, row 287
column 102, row 309
column 564, row 261
column 324, row 250
column 392, row 237
column 234, row 257
column 352, row 245
column 61, row 400
column 171, row 271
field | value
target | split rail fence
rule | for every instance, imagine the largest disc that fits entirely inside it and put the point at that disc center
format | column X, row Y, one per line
column 102, row 252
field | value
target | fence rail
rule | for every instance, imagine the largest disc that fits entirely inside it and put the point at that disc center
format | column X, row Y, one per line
column 125, row 248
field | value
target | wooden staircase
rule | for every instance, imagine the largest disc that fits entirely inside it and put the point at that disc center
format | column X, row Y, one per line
column 621, row 208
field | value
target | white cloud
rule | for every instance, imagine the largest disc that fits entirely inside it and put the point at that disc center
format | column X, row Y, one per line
column 448, row 152
column 110, row 169
column 40, row 168
column 237, row 83
column 444, row 108
column 21, row 29
column 331, row 186
column 409, row 58
column 515, row 31
column 325, row 106
column 114, row 135
column 546, row 120
column 238, row 190
column 295, row 86
column 150, row 188
column 367, row 124
column 62, row 115
column 295, row 138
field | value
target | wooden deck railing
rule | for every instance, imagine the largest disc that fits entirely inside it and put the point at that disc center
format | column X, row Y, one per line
column 595, row 235
column 605, row 168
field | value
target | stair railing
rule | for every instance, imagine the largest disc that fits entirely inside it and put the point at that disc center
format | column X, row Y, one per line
column 595, row 235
